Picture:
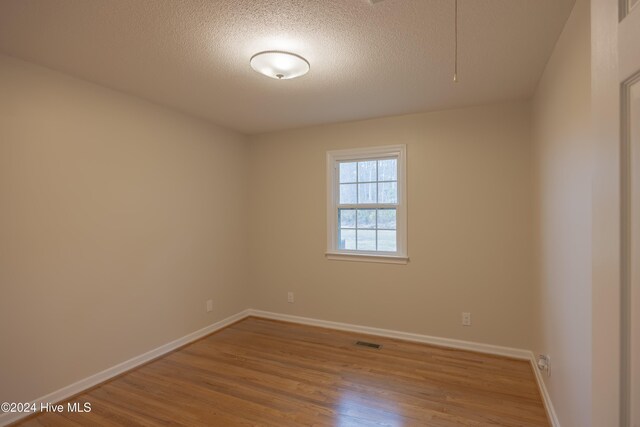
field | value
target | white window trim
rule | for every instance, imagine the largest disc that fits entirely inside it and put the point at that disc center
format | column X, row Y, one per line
column 333, row 157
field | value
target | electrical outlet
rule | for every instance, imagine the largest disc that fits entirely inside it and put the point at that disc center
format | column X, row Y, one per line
column 290, row 298
column 544, row 363
column 209, row 305
column 466, row 319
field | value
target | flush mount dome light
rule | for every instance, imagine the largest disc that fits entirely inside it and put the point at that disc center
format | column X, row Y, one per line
column 279, row 65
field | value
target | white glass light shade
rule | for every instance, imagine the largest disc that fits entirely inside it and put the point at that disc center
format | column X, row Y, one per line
column 279, row 65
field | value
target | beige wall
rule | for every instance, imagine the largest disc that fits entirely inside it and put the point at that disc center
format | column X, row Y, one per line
column 563, row 160
column 469, row 226
column 605, row 399
column 118, row 219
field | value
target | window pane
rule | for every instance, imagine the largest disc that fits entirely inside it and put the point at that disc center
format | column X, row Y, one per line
column 386, row 241
column 367, row 240
column 367, row 193
column 367, row 171
column 388, row 170
column 347, row 239
column 348, row 172
column 347, row 218
column 366, row 218
column 348, row 193
column 387, row 219
column 388, row 192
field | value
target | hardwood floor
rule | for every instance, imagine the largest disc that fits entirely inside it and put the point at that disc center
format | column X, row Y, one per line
column 266, row 373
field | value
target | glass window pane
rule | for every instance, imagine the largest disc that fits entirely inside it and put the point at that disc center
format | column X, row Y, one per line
column 388, row 170
column 367, row 240
column 387, row 219
column 367, row 193
column 348, row 193
column 366, row 218
column 347, row 218
column 348, row 172
column 347, row 239
column 367, row 171
column 387, row 240
column 388, row 192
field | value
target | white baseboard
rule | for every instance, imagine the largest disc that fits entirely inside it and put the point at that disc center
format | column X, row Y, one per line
column 546, row 398
column 407, row 336
column 77, row 387
column 86, row 383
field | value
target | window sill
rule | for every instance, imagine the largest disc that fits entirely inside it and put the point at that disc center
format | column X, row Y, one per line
column 387, row 259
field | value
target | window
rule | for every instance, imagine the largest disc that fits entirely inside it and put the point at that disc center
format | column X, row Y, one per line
column 367, row 219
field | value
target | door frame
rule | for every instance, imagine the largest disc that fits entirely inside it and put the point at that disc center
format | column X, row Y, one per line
column 629, row 76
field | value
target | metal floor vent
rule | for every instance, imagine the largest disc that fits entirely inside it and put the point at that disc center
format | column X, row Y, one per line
column 369, row 344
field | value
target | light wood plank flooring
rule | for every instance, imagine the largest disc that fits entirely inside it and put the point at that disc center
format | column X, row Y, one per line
column 266, row 373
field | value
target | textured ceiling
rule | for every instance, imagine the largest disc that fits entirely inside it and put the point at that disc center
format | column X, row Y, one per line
column 367, row 60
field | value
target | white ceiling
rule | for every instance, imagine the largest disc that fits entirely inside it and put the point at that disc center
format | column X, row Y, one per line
column 367, row 60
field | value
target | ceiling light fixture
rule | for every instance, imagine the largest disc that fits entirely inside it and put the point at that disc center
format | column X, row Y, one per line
column 279, row 65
